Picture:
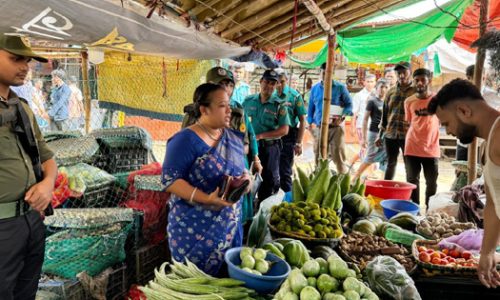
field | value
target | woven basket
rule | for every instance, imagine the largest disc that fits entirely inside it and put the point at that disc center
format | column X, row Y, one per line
column 430, row 270
column 306, row 240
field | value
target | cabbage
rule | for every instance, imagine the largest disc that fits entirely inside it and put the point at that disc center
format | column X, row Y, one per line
column 332, row 296
column 297, row 281
column 338, row 268
column 311, row 268
column 326, row 283
column 310, row 293
column 351, row 295
column 290, row 296
column 352, row 284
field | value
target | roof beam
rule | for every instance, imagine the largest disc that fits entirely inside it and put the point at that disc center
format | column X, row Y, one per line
column 199, row 8
column 319, row 15
column 258, row 18
column 222, row 21
column 304, row 18
column 349, row 19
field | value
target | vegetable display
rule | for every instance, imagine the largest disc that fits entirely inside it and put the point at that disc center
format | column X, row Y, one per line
column 186, row 281
column 253, row 261
column 306, row 219
column 362, row 248
column 321, row 279
column 440, row 225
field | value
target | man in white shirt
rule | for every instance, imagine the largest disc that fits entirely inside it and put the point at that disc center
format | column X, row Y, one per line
column 359, row 107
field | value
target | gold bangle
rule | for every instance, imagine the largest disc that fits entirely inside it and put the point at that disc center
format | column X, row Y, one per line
column 192, row 195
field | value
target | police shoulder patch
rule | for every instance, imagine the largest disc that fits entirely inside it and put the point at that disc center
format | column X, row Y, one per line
column 243, row 127
column 282, row 111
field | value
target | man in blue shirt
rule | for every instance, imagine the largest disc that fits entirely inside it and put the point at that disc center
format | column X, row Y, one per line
column 340, row 97
column 59, row 101
column 241, row 89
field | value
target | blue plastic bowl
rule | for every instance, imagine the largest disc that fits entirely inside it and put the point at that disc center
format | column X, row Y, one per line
column 393, row 207
column 264, row 284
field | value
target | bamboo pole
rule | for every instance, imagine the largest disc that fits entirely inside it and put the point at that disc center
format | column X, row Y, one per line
column 478, row 76
column 86, row 90
column 318, row 14
column 199, row 8
column 327, row 95
column 350, row 16
column 274, row 24
column 301, row 19
column 259, row 18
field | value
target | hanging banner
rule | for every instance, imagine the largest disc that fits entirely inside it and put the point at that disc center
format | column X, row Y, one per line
column 111, row 24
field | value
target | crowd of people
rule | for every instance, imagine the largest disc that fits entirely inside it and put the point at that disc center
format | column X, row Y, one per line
column 58, row 108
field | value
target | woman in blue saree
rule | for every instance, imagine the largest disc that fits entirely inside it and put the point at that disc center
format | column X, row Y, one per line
column 201, row 225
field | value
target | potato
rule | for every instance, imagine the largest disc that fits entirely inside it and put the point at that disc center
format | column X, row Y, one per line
column 440, row 229
column 457, row 231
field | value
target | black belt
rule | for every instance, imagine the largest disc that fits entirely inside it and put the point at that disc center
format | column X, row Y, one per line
column 269, row 142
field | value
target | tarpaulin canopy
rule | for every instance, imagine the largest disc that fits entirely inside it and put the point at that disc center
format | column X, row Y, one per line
column 389, row 44
column 468, row 30
column 111, row 24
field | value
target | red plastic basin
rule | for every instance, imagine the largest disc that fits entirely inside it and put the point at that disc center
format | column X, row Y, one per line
column 389, row 189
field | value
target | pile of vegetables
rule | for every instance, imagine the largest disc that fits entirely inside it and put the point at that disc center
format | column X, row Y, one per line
column 294, row 252
column 321, row 279
column 254, row 261
column 324, row 187
column 306, row 219
column 447, row 257
column 362, row 248
column 440, row 225
column 186, row 281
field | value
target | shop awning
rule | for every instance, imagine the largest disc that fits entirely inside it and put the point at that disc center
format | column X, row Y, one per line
column 389, row 44
column 111, row 24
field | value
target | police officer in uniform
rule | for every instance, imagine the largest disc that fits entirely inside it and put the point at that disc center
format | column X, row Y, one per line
column 27, row 176
column 292, row 142
column 270, row 121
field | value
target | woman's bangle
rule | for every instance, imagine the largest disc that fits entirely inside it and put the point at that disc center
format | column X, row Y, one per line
column 192, row 195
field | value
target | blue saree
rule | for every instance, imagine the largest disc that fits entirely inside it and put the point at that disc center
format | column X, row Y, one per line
column 194, row 231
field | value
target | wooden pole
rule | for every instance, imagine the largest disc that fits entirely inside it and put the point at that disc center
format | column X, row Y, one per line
column 327, row 95
column 478, row 76
column 86, row 90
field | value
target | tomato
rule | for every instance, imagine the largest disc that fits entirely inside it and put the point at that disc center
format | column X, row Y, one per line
column 446, row 251
column 430, row 251
column 441, row 254
column 422, row 249
column 466, row 255
column 454, row 253
column 435, row 254
column 450, row 259
column 425, row 257
column 436, row 260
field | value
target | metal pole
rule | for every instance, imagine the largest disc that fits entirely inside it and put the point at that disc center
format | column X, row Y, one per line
column 327, row 95
column 86, row 90
column 478, row 75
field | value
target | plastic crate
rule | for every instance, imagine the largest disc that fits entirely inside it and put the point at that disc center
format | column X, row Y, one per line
column 126, row 160
column 144, row 260
column 65, row 290
column 94, row 197
column 117, row 283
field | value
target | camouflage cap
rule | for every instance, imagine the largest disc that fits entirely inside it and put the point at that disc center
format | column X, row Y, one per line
column 19, row 45
column 218, row 74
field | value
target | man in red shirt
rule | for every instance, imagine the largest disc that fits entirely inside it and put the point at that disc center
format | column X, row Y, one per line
column 422, row 139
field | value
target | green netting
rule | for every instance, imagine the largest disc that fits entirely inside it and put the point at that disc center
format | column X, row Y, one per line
column 91, row 240
column 389, row 44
